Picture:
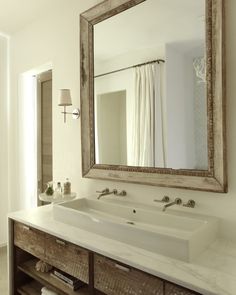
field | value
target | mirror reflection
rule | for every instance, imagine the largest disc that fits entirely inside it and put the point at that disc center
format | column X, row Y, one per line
column 150, row 86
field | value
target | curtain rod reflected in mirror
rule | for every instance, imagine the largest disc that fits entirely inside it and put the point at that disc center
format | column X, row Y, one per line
column 131, row 67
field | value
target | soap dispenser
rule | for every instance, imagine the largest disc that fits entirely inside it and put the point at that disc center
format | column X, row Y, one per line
column 67, row 187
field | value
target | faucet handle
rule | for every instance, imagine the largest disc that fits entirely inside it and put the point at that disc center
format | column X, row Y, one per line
column 178, row 201
column 106, row 190
column 165, row 199
column 122, row 193
column 190, row 204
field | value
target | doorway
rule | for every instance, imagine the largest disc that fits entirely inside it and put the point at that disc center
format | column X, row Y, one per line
column 44, row 132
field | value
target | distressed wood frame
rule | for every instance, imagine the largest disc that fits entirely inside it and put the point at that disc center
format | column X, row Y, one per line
column 215, row 178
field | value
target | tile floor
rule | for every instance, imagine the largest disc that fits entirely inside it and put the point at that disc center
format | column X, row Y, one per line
column 3, row 271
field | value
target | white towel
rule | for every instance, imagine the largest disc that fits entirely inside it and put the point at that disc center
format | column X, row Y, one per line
column 46, row 291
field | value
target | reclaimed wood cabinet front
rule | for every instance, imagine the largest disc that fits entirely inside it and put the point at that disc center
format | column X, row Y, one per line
column 113, row 278
column 67, row 257
column 172, row 289
column 30, row 240
column 101, row 274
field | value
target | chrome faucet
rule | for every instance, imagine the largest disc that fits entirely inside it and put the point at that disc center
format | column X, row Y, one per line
column 106, row 192
column 165, row 199
column 177, row 201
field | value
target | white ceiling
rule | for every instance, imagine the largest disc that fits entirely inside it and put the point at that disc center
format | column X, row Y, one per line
column 150, row 24
column 17, row 14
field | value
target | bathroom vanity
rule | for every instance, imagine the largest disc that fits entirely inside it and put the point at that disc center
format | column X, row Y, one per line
column 100, row 274
column 107, row 265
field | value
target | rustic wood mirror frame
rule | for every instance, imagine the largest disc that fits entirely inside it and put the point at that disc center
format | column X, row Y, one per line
column 215, row 178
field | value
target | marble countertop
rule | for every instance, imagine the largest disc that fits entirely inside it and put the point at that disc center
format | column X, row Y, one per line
column 212, row 273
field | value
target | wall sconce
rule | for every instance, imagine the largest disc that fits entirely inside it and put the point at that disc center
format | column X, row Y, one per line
column 65, row 101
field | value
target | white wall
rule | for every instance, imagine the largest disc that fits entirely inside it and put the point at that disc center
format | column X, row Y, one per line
column 3, row 138
column 120, row 81
column 200, row 123
column 133, row 57
column 27, row 141
column 111, row 128
column 179, row 109
column 57, row 40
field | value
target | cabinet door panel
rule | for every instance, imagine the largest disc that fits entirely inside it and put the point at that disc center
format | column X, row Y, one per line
column 67, row 257
column 113, row 278
column 171, row 289
column 29, row 239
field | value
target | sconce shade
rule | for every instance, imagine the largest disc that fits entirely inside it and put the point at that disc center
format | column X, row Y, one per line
column 65, row 98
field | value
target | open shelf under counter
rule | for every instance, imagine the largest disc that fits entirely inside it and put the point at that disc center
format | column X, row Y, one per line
column 45, row 279
column 32, row 288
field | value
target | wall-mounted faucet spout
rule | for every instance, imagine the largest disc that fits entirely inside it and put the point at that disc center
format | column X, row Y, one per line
column 177, row 201
column 165, row 199
column 106, row 192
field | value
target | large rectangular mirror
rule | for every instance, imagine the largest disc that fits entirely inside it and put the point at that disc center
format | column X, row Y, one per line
column 150, row 86
column 152, row 93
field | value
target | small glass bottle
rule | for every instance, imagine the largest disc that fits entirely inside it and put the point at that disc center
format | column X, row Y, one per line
column 58, row 191
column 67, row 187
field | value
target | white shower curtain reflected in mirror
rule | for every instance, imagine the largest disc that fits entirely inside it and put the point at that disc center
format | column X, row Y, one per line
column 148, row 136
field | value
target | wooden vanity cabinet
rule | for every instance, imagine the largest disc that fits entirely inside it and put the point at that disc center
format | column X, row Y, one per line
column 101, row 275
column 172, row 289
column 114, row 278
column 30, row 245
column 67, row 257
column 29, row 239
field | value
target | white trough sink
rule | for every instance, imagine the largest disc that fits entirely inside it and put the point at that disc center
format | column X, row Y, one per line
column 175, row 234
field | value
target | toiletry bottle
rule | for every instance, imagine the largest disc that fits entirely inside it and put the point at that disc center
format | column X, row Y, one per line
column 67, row 187
column 58, row 190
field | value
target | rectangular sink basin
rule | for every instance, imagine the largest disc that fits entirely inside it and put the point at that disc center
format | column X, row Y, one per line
column 172, row 233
